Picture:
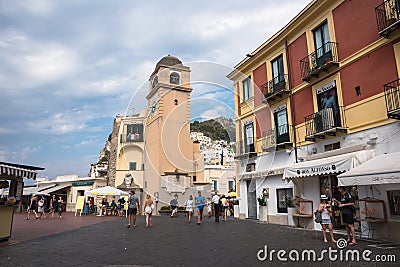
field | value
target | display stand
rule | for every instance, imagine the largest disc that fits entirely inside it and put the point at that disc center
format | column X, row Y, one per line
column 305, row 210
column 80, row 201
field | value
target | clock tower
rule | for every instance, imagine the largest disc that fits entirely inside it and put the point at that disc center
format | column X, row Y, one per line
column 173, row 163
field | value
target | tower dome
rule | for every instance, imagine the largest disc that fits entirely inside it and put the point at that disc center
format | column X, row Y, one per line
column 168, row 61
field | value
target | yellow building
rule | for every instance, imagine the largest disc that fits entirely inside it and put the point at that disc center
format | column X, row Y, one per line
column 318, row 98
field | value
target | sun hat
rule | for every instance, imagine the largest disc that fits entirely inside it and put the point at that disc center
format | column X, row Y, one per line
column 324, row 197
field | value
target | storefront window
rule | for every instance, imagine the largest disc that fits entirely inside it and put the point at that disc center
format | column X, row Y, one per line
column 394, row 202
column 282, row 195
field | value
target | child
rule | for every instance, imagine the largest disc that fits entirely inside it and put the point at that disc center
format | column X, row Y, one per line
column 189, row 208
column 209, row 207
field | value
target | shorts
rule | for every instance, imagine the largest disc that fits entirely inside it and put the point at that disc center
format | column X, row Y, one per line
column 173, row 207
column 200, row 208
column 148, row 210
column 120, row 207
column 326, row 221
column 132, row 211
column 348, row 218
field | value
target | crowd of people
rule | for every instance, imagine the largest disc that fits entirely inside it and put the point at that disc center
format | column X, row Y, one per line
column 41, row 207
column 219, row 204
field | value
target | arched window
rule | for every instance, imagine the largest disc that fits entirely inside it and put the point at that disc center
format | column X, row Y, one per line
column 174, row 78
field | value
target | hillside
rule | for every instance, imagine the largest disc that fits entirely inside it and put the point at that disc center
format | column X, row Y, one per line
column 217, row 129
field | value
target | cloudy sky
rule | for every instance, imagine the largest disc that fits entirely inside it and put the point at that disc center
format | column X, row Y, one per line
column 67, row 67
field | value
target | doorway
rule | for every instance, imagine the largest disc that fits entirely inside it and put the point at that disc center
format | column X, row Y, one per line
column 251, row 199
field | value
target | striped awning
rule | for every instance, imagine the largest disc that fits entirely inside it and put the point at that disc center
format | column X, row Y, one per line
column 17, row 170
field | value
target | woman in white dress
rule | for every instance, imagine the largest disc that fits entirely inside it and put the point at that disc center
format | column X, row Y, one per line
column 148, row 210
column 189, row 208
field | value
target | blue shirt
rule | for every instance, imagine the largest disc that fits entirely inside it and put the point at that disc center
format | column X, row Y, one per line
column 200, row 201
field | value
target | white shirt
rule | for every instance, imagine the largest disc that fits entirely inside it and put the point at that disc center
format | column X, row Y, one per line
column 215, row 199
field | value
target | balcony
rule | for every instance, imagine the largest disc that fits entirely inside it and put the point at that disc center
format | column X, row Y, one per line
column 323, row 59
column 387, row 17
column 326, row 122
column 276, row 139
column 131, row 138
column 392, row 97
column 276, row 89
column 245, row 148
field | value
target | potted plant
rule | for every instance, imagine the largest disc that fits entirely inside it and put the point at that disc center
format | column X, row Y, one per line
column 236, row 208
column 290, row 209
column 262, row 202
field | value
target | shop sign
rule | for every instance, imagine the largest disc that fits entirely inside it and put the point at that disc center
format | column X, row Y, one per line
column 326, row 87
column 82, row 183
column 316, row 170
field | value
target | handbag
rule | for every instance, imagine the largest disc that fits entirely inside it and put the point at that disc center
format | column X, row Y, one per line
column 317, row 217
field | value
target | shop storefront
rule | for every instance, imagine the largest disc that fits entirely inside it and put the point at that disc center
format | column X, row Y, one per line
column 11, row 175
column 318, row 177
column 378, row 186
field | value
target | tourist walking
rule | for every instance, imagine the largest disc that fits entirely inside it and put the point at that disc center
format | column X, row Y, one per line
column 53, row 206
column 346, row 205
column 217, row 207
column 189, row 208
column 133, row 205
column 209, row 209
column 174, row 206
column 41, row 207
column 200, row 201
column 325, row 210
column 224, row 206
column 59, row 206
column 121, row 204
column 148, row 210
column 32, row 207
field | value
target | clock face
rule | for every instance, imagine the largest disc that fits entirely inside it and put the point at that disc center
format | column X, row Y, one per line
column 153, row 108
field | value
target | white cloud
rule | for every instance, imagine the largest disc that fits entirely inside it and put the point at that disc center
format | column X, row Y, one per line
column 215, row 112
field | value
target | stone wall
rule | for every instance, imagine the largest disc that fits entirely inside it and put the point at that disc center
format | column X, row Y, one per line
column 112, row 162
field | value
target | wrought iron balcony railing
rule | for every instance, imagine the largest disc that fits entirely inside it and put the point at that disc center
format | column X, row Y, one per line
column 327, row 121
column 392, row 97
column 277, row 138
column 245, row 146
column 278, row 87
column 131, row 138
column 387, row 17
column 324, row 58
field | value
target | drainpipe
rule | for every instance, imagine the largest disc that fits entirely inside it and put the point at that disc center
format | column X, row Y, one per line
column 291, row 102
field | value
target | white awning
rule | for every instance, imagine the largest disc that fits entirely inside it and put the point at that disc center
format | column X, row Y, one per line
column 382, row 169
column 269, row 165
column 53, row 189
column 35, row 190
column 18, row 170
column 335, row 164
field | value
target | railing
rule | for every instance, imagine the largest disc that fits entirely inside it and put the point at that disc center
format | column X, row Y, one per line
column 322, row 56
column 277, row 84
column 387, row 15
column 392, row 97
column 131, row 138
column 274, row 137
column 325, row 120
column 245, row 146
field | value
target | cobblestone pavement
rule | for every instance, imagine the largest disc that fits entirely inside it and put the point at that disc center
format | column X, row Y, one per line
column 174, row 242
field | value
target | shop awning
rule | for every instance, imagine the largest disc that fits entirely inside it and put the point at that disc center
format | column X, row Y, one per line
column 18, row 170
column 35, row 190
column 53, row 189
column 269, row 165
column 335, row 164
column 382, row 169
